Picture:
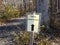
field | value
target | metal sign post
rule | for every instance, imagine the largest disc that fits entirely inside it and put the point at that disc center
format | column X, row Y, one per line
column 31, row 38
column 33, row 25
column 32, row 35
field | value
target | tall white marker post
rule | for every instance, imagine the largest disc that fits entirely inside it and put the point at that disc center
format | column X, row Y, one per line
column 32, row 25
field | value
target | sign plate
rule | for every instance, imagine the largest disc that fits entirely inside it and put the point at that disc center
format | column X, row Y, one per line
column 33, row 22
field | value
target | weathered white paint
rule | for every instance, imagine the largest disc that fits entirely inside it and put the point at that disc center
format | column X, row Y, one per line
column 33, row 19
